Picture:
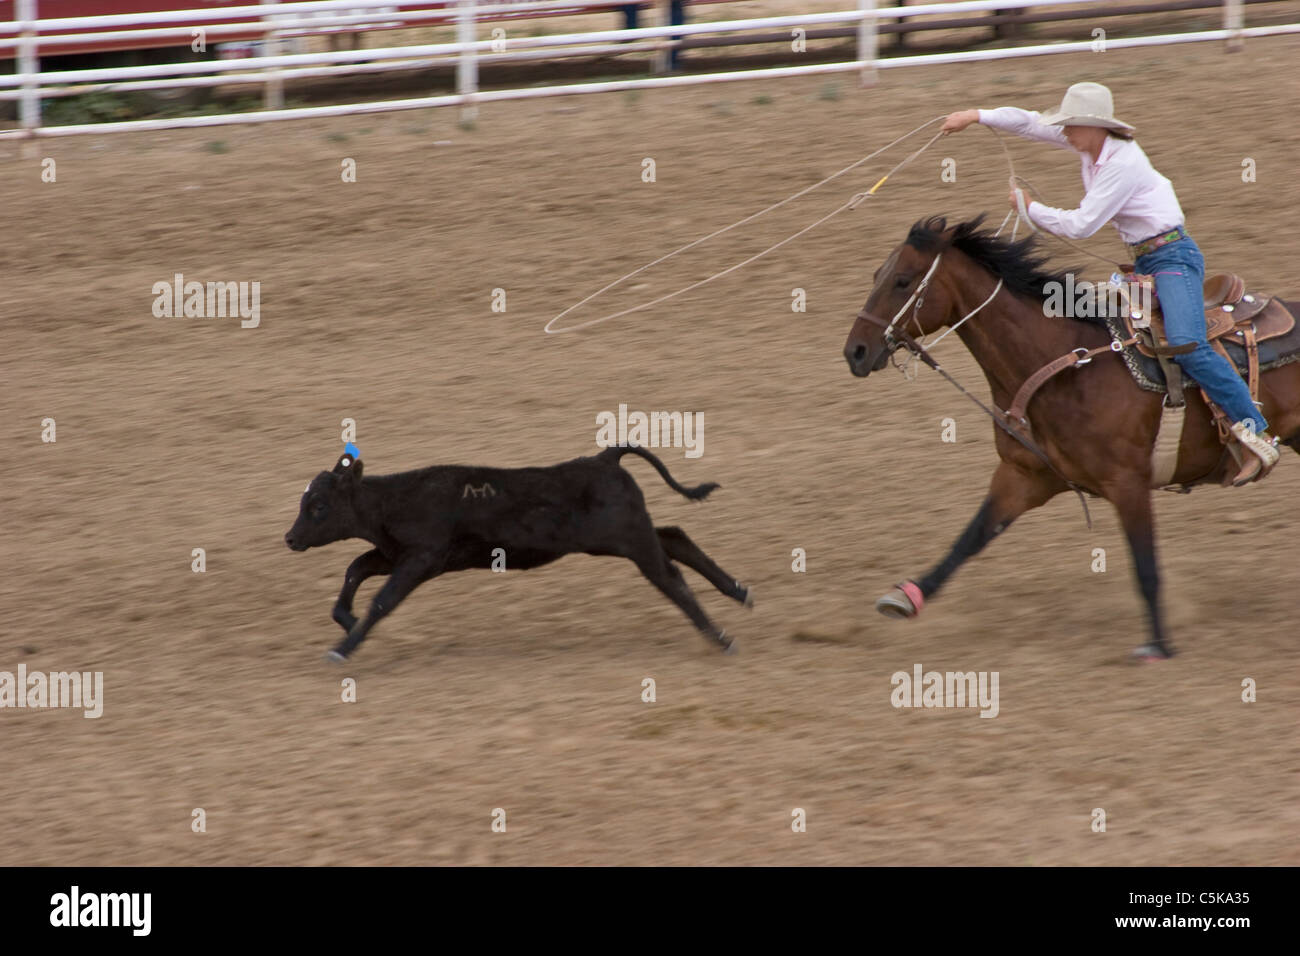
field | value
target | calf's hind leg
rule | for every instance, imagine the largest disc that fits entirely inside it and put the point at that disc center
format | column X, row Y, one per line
column 679, row 547
column 366, row 566
column 664, row 575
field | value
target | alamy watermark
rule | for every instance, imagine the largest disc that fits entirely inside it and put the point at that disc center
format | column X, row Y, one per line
column 652, row 430
column 84, row 689
column 1084, row 299
column 212, row 300
column 946, row 689
column 75, row 908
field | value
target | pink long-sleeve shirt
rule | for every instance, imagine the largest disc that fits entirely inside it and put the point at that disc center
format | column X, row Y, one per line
column 1121, row 187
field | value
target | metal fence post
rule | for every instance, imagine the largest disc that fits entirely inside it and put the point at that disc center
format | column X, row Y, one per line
column 273, row 91
column 29, row 107
column 867, row 43
column 467, row 62
column 662, row 61
column 671, row 13
column 1233, row 19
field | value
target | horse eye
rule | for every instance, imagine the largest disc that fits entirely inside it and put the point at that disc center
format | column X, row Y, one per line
column 902, row 283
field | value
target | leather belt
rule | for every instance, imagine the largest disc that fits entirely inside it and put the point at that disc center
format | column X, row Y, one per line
column 1155, row 242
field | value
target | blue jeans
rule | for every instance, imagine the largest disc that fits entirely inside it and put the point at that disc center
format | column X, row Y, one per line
column 1179, row 269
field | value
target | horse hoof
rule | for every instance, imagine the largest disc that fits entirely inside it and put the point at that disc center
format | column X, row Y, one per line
column 334, row 657
column 1151, row 653
column 899, row 603
column 729, row 648
column 749, row 598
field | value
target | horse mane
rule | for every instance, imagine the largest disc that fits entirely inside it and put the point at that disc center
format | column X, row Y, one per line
column 1016, row 261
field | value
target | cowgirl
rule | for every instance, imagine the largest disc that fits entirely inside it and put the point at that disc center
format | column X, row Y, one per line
column 1122, row 187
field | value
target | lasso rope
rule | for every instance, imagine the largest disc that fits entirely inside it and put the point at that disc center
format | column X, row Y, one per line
column 1022, row 212
column 852, row 203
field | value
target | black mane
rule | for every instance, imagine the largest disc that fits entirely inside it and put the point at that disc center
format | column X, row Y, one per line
column 1016, row 262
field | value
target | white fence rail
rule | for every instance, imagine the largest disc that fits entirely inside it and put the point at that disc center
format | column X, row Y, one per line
column 273, row 19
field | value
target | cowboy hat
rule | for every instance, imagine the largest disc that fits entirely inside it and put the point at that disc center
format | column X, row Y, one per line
column 1086, row 104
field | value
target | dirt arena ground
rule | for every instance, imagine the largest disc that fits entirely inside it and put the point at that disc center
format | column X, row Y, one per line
column 522, row 691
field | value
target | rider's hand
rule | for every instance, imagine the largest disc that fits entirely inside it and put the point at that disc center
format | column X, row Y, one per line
column 956, row 122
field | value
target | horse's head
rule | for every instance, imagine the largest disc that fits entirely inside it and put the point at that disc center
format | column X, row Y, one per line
column 906, row 299
column 925, row 281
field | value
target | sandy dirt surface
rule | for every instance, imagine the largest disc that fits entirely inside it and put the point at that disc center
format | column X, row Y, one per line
column 523, row 691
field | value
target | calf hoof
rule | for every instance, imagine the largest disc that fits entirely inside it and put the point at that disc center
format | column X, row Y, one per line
column 1151, row 653
column 902, row 603
column 334, row 657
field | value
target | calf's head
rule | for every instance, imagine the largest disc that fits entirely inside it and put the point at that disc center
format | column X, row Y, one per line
column 326, row 512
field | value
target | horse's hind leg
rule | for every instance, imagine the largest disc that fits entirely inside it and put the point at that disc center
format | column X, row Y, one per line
column 679, row 547
column 1133, row 503
column 1012, row 492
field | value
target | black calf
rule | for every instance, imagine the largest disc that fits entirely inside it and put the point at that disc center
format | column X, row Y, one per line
column 452, row 517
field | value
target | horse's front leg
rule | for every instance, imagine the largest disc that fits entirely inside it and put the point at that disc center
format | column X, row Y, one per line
column 1013, row 491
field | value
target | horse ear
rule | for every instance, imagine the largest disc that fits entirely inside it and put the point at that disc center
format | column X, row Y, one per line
column 350, row 462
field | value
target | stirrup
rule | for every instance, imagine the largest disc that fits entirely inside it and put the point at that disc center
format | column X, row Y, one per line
column 1262, row 458
column 1252, row 470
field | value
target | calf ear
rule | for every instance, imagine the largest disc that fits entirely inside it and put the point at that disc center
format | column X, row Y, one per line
column 350, row 463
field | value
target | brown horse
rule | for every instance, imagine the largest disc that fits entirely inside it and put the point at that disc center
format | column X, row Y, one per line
column 1094, row 426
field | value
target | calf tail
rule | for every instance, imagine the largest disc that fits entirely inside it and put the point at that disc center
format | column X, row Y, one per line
column 698, row 493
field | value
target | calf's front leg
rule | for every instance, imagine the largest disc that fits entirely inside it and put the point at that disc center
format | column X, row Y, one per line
column 406, row 575
column 366, row 566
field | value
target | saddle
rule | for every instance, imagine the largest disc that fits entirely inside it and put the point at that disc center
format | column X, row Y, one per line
column 1252, row 331
column 1229, row 310
column 1236, row 323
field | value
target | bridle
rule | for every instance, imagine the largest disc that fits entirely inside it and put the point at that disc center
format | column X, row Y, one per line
column 917, row 297
column 914, row 302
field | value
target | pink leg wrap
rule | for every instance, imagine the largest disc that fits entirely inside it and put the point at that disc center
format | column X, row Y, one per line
column 913, row 594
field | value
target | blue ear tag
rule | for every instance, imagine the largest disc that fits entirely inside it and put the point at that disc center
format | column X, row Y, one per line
column 351, row 449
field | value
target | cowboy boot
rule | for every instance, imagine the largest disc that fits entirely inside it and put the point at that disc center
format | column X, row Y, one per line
column 1263, row 455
